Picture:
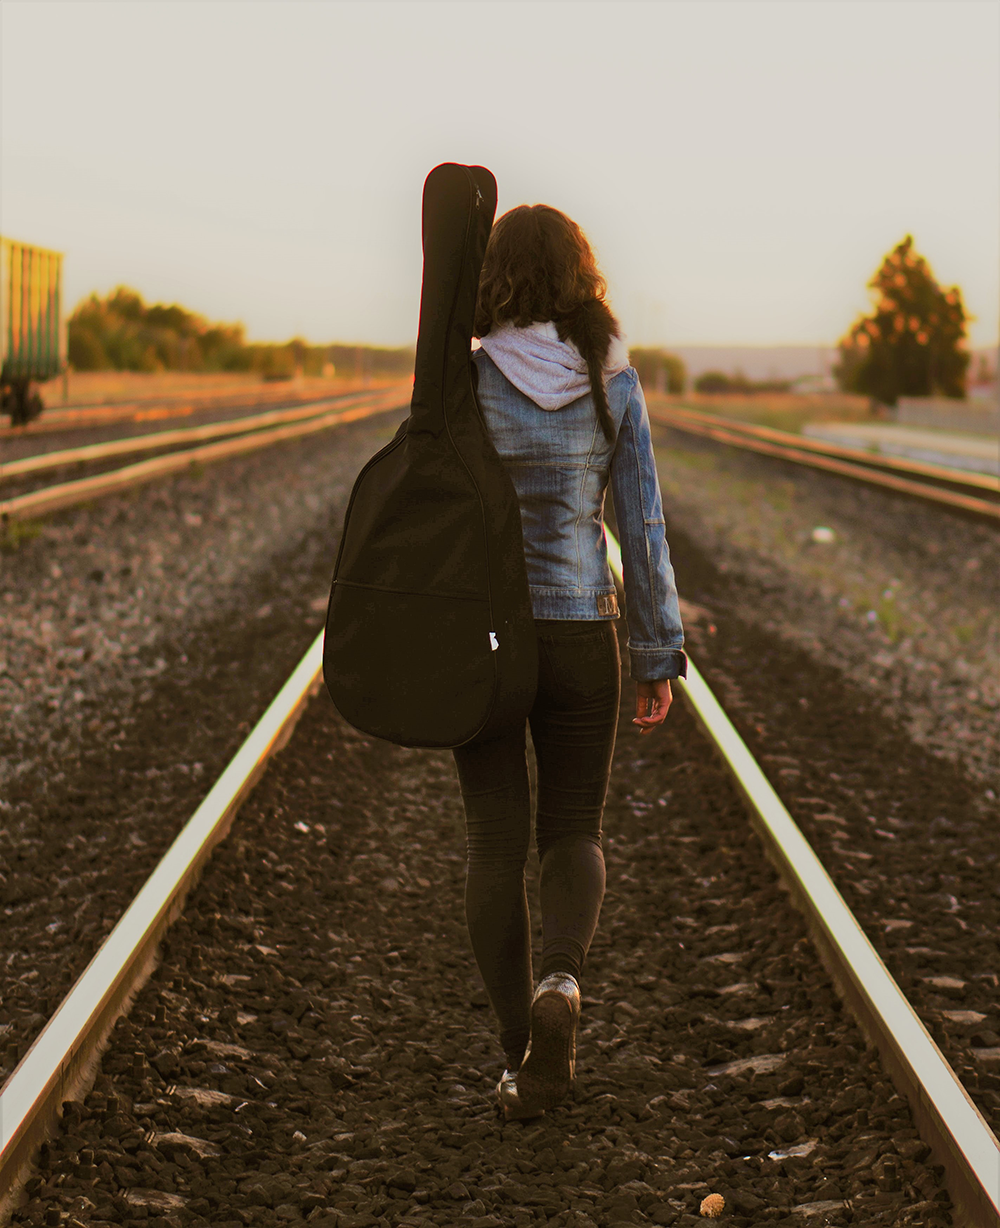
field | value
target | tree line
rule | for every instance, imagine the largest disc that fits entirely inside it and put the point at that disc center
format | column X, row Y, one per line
column 123, row 333
column 912, row 343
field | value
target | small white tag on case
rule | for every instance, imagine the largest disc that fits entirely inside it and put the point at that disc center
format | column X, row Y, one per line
column 494, row 643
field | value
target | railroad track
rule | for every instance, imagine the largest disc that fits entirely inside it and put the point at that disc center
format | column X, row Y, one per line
column 974, row 494
column 87, row 417
column 59, row 1066
column 233, row 437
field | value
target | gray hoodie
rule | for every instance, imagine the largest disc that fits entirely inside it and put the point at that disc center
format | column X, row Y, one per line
column 551, row 372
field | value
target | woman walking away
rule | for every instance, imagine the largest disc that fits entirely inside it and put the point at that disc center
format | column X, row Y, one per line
column 567, row 416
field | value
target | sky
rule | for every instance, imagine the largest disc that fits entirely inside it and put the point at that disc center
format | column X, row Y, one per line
column 740, row 168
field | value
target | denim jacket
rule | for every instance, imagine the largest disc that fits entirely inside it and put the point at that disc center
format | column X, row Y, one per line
column 561, row 462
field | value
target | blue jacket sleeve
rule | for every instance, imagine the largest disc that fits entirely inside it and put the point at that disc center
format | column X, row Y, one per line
column 655, row 635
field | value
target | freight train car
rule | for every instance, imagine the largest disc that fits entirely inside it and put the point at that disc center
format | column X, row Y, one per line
column 32, row 329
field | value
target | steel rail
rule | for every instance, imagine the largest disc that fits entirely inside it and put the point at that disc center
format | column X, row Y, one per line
column 949, row 1122
column 817, row 458
column 91, row 452
column 153, row 410
column 82, row 490
column 877, row 460
column 61, row 1062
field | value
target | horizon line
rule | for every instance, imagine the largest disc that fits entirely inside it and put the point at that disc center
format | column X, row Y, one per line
column 650, row 345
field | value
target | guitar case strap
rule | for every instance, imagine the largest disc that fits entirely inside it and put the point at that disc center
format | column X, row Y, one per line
column 430, row 638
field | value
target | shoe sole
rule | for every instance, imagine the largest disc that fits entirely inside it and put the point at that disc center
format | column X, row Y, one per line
column 547, row 1073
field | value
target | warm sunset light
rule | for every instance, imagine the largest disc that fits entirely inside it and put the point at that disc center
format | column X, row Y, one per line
column 263, row 162
column 498, row 613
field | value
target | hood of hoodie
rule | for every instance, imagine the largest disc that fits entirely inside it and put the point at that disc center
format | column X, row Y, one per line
column 549, row 371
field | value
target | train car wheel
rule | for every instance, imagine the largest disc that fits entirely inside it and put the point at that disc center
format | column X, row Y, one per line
column 20, row 402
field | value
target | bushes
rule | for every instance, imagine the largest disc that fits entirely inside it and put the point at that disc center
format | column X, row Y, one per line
column 659, row 370
column 717, row 382
column 714, row 381
column 120, row 332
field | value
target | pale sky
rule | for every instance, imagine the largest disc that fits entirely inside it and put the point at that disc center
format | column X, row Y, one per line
column 740, row 168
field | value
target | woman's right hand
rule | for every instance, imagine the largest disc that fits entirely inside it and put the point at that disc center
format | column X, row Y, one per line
column 652, row 700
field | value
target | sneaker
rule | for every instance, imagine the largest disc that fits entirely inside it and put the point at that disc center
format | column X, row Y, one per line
column 550, row 1061
column 509, row 1100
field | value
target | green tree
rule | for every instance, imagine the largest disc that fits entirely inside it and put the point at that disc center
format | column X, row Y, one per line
column 912, row 343
column 658, row 369
column 86, row 352
column 121, row 332
column 718, row 381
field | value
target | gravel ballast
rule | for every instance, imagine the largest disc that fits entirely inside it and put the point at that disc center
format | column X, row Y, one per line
column 884, row 753
column 316, row 1045
column 141, row 638
column 228, row 588
column 903, row 600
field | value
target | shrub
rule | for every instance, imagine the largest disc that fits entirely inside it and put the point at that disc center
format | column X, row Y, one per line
column 658, row 369
column 718, row 382
column 715, row 381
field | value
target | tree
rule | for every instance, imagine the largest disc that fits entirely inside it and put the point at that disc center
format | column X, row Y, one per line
column 718, row 381
column 912, row 342
column 123, row 333
column 658, row 369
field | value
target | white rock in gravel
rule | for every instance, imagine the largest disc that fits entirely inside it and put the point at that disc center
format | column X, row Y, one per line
column 158, row 1199
column 762, row 1063
column 798, row 1151
column 199, row 1146
column 205, row 1097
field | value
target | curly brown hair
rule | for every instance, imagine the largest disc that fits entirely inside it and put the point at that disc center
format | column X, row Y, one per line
column 539, row 267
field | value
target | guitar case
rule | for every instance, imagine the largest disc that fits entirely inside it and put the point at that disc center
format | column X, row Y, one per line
column 430, row 639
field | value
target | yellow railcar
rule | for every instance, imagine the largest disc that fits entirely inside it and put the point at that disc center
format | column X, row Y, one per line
column 32, row 328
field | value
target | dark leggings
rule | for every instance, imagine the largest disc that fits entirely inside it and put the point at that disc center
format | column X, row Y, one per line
column 573, row 724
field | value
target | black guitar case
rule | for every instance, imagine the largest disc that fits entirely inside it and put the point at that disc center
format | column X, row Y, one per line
column 429, row 633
